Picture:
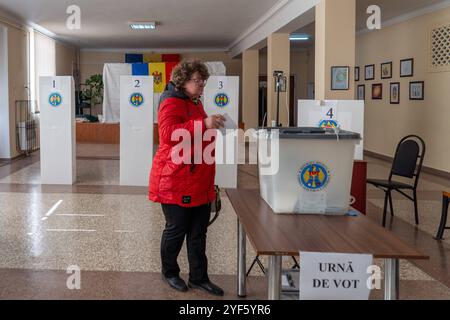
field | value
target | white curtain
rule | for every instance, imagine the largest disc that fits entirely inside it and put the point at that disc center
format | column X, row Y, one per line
column 44, row 60
column 111, row 92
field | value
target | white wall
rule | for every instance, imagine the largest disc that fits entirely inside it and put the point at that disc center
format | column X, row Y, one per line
column 5, row 152
column 385, row 123
column 50, row 57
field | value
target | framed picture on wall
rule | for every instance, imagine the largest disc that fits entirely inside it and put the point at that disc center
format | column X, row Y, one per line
column 386, row 70
column 417, row 90
column 407, row 68
column 340, row 78
column 357, row 73
column 395, row 93
column 369, row 72
column 377, row 91
column 362, row 92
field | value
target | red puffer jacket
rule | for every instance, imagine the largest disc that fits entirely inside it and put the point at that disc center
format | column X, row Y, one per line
column 186, row 185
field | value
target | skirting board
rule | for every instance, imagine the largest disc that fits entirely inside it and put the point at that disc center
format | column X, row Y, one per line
column 436, row 172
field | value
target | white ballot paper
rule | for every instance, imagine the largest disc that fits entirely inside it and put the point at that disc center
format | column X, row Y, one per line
column 229, row 124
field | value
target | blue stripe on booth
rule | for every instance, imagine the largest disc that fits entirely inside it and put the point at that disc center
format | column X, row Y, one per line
column 134, row 58
column 140, row 69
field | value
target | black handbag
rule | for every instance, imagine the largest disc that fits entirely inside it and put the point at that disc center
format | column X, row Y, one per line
column 216, row 206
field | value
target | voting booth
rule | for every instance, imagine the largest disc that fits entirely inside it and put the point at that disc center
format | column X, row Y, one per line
column 57, row 130
column 136, row 130
column 345, row 114
column 221, row 96
column 306, row 170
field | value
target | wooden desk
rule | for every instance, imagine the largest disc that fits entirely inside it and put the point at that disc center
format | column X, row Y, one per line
column 98, row 133
column 286, row 235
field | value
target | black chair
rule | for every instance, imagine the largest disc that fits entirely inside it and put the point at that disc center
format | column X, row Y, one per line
column 407, row 163
column 443, row 224
column 82, row 103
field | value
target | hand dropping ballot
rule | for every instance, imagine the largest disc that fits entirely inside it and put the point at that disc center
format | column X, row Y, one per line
column 228, row 124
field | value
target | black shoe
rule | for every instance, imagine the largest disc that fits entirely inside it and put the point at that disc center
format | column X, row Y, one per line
column 208, row 286
column 177, row 283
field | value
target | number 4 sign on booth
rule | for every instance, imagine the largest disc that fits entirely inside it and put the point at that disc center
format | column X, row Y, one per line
column 329, row 115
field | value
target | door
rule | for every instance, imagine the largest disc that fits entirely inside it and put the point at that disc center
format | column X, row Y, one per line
column 262, row 104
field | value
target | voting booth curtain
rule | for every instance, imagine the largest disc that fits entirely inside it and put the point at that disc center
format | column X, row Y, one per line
column 160, row 71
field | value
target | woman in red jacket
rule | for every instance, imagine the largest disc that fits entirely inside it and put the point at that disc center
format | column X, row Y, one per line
column 185, row 190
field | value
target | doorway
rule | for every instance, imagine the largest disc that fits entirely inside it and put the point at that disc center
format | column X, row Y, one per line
column 262, row 101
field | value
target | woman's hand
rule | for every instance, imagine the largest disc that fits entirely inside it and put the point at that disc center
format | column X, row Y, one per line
column 214, row 122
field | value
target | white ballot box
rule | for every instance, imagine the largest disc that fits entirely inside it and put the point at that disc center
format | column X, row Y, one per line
column 221, row 96
column 57, row 130
column 306, row 170
column 136, row 130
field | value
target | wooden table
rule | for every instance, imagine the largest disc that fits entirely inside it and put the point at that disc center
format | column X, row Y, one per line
column 286, row 235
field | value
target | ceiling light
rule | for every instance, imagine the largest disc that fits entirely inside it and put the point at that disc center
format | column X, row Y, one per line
column 299, row 37
column 143, row 25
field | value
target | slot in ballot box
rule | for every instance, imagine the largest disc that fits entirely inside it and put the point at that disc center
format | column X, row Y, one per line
column 306, row 170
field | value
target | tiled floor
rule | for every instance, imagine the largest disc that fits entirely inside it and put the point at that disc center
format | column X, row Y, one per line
column 98, row 151
column 112, row 233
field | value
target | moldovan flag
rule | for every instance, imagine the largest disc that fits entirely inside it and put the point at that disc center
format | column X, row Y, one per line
column 169, row 68
column 151, row 58
column 158, row 71
column 170, row 58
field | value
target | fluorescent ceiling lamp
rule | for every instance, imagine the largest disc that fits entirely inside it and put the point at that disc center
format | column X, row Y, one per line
column 143, row 25
column 299, row 37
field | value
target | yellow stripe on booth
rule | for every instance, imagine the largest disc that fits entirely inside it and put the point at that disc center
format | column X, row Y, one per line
column 151, row 58
column 158, row 71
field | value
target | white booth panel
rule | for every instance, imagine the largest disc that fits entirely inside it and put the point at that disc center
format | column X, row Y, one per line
column 347, row 114
column 136, row 130
column 57, row 130
column 222, row 97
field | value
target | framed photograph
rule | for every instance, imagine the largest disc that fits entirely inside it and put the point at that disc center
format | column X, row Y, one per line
column 377, row 91
column 370, row 72
column 395, row 93
column 362, row 92
column 386, row 70
column 417, row 90
column 356, row 73
column 340, row 78
column 407, row 68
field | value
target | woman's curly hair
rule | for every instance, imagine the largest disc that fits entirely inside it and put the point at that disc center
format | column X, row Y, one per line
column 184, row 71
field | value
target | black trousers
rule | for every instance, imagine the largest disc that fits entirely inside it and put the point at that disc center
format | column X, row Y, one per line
column 191, row 223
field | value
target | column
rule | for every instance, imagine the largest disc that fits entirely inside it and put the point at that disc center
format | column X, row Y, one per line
column 335, row 46
column 250, row 88
column 278, row 59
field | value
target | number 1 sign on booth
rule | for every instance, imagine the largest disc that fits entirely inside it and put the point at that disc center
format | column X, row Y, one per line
column 57, row 130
